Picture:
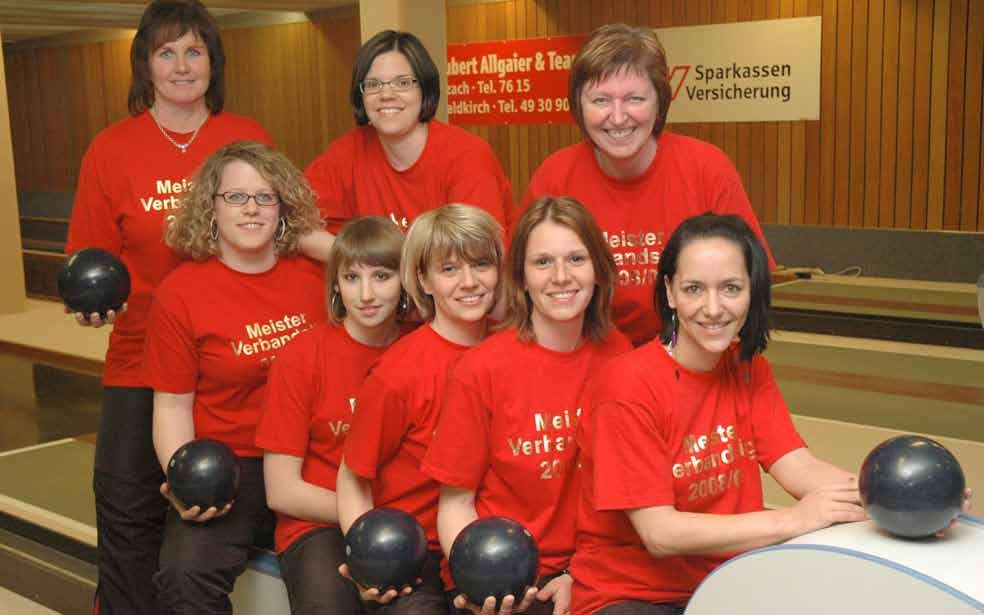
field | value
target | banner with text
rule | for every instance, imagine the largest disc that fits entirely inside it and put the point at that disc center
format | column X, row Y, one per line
column 736, row 72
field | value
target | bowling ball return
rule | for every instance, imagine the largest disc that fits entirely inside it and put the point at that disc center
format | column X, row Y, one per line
column 853, row 568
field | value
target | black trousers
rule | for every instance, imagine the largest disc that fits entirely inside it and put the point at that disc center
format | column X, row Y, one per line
column 199, row 562
column 130, row 510
column 309, row 567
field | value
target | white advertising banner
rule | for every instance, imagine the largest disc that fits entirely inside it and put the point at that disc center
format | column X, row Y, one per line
column 753, row 71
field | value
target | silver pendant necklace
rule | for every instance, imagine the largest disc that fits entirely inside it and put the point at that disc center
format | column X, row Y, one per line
column 183, row 147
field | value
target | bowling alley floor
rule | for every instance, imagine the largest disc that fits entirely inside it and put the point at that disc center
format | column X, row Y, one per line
column 847, row 394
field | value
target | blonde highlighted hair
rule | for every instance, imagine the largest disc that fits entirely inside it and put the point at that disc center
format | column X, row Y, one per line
column 190, row 234
column 467, row 232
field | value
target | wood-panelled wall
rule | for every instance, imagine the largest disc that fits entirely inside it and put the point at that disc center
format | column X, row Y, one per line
column 899, row 142
column 292, row 78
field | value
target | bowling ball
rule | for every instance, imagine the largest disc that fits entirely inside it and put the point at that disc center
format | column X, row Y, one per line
column 385, row 548
column 494, row 556
column 93, row 280
column 911, row 486
column 203, row 473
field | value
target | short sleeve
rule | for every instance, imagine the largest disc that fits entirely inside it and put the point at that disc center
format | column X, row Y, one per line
column 170, row 353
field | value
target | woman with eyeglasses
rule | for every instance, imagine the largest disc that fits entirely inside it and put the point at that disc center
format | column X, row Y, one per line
column 133, row 178
column 217, row 323
column 308, row 412
column 399, row 162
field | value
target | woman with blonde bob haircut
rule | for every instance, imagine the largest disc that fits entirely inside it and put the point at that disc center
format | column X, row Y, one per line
column 638, row 180
column 450, row 268
column 309, row 411
column 195, row 232
column 216, row 324
column 526, row 383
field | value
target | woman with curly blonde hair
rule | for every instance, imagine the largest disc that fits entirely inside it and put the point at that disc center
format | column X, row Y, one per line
column 217, row 323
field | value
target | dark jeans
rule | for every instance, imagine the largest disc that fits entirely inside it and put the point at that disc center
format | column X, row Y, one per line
column 200, row 562
column 641, row 608
column 537, row 608
column 130, row 510
column 309, row 567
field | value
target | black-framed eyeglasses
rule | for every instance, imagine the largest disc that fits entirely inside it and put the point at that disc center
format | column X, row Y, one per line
column 397, row 84
column 238, row 199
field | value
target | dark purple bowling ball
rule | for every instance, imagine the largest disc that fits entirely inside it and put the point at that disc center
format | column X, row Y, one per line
column 911, row 486
column 203, row 473
column 494, row 556
column 385, row 548
column 93, row 280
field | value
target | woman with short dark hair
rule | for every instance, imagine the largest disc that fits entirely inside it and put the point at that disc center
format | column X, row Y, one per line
column 400, row 162
column 133, row 179
column 674, row 437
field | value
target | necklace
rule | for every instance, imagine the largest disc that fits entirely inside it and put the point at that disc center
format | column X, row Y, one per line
column 181, row 146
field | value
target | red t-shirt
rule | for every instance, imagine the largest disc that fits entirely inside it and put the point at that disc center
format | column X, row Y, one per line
column 354, row 178
column 396, row 414
column 507, row 433
column 657, row 434
column 130, row 186
column 687, row 177
column 308, row 411
column 214, row 332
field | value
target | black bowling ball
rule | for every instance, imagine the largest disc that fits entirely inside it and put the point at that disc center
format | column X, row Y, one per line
column 203, row 473
column 93, row 280
column 494, row 556
column 385, row 548
column 911, row 486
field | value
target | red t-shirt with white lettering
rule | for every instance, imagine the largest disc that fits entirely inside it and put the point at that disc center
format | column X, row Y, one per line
column 396, row 413
column 687, row 177
column 354, row 178
column 507, row 433
column 658, row 434
column 308, row 411
column 130, row 186
column 214, row 332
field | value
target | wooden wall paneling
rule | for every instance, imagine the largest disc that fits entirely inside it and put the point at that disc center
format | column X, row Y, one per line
column 872, row 124
column 775, row 172
column 972, row 209
column 837, row 211
column 937, row 115
column 920, row 115
column 890, row 113
column 38, row 153
column 20, row 136
column 859, row 74
column 54, row 117
column 116, row 73
column 830, row 63
column 955, row 113
column 904, row 127
column 75, row 76
column 812, row 137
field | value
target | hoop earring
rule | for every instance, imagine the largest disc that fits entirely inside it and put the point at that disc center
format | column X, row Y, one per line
column 281, row 229
column 676, row 327
column 213, row 230
column 334, row 307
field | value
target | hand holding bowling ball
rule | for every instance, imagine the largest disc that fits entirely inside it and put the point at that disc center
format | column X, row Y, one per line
column 911, row 486
column 202, row 479
column 494, row 562
column 94, row 284
column 385, row 550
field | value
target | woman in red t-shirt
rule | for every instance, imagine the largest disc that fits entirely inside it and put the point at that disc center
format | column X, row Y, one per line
column 638, row 180
column 505, row 441
column 216, row 324
column 308, row 411
column 399, row 161
column 678, row 429
column 450, row 268
column 133, row 178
